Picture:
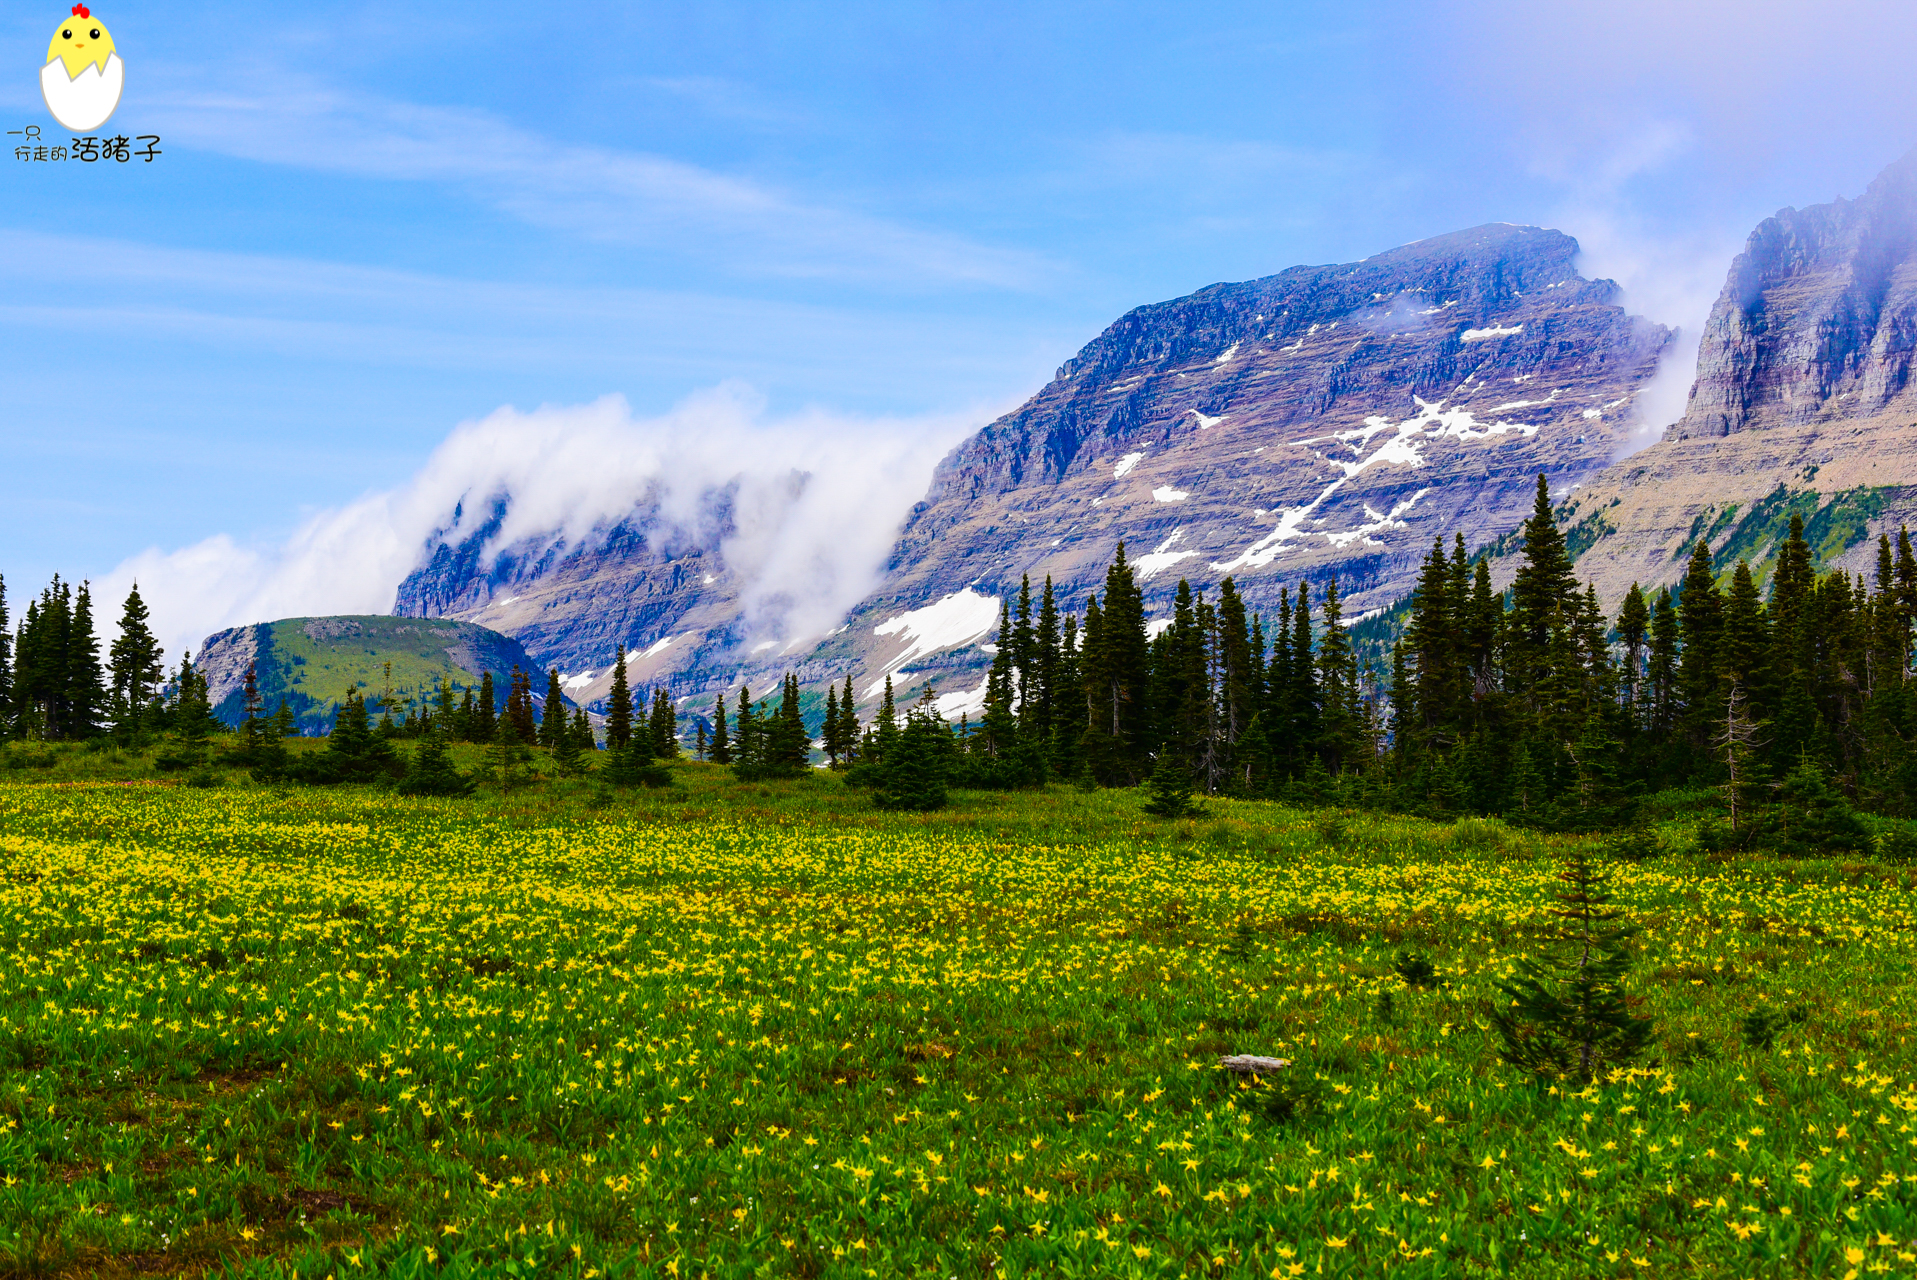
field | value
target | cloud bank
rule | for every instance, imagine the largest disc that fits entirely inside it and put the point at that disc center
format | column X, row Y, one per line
column 818, row 503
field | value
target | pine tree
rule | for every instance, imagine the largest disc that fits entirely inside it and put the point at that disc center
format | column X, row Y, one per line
column 255, row 731
column 663, row 724
column 6, row 664
column 1170, row 789
column 552, row 725
column 721, row 748
column 831, row 734
column 1700, row 615
column 1000, row 723
column 619, row 706
column 848, row 723
column 521, row 726
column 1342, row 737
column 87, row 699
column 431, row 771
column 568, row 752
column 885, row 725
column 912, row 773
column 1569, row 1016
column 1633, row 625
column 485, row 721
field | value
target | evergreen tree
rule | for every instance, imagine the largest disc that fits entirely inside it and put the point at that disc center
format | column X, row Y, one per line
column 619, row 706
column 1342, row 739
column 520, row 725
column 912, row 772
column 568, row 752
column 6, row 665
column 849, row 735
column 485, row 719
column 885, row 726
column 1170, row 789
column 431, row 771
column 87, row 700
column 720, row 751
column 663, row 724
column 552, row 725
column 831, row 734
column 1633, row 625
column 1569, row 1016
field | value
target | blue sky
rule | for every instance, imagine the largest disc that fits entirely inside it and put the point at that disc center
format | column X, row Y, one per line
column 374, row 222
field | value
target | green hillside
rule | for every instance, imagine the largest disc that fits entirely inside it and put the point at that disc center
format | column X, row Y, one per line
column 312, row 662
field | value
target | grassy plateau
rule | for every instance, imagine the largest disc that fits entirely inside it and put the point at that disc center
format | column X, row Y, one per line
column 730, row 1030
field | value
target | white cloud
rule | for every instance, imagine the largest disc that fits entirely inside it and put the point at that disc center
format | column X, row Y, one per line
column 818, row 502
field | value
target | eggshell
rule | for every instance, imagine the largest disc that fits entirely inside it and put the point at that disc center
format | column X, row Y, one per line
column 87, row 101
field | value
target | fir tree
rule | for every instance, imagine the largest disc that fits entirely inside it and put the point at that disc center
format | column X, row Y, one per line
column 485, row 718
column 912, row 772
column 1170, row 789
column 87, row 699
column 6, row 664
column 663, row 726
column 431, row 771
column 721, row 749
column 552, row 725
column 831, row 734
column 619, row 706
column 1569, row 1016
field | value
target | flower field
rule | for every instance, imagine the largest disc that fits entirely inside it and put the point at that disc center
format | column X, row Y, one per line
column 338, row 1034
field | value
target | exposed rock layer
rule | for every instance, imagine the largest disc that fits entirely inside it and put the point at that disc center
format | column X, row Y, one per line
column 1803, row 383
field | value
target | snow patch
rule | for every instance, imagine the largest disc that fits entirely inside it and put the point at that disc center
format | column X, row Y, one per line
column 579, row 681
column 1157, row 626
column 1495, row 331
column 966, row 702
column 1594, row 413
column 958, row 619
column 1378, row 524
column 659, row 646
column 1165, row 493
column 1162, row 557
column 1404, row 448
column 709, row 579
column 761, row 648
column 1230, row 351
column 1125, row 464
column 1204, row 423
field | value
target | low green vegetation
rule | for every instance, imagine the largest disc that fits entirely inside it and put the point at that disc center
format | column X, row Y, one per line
column 733, row 1029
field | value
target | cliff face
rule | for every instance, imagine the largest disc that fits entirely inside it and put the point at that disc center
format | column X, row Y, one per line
column 1326, row 420
column 1803, row 401
column 1817, row 322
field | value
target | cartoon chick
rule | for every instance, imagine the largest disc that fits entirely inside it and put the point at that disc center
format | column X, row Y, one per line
column 83, row 76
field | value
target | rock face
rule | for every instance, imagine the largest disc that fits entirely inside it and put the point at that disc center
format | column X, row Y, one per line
column 311, row 662
column 1326, row 420
column 1817, row 322
column 1803, row 399
column 641, row 583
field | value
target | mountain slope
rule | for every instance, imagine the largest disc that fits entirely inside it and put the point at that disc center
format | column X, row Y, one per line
column 1803, row 400
column 1328, row 419
column 311, row 662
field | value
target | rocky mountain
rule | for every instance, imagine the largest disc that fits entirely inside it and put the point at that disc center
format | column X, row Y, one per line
column 312, row 662
column 1325, row 420
column 1804, row 401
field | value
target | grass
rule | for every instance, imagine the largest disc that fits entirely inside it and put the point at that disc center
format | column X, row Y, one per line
column 733, row 1030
